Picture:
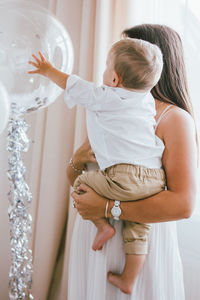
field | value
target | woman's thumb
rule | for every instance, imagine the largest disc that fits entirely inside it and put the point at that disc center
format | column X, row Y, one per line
column 83, row 187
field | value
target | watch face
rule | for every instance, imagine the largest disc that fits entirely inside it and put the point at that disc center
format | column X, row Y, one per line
column 116, row 211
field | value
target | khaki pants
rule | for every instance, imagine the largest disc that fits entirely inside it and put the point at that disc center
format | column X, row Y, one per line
column 126, row 182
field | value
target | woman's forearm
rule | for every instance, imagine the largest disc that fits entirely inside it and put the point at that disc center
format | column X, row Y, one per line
column 81, row 157
column 162, row 207
column 74, row 170
column 71, row 175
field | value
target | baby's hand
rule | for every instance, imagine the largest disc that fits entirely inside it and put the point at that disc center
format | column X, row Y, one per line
column 41, row 64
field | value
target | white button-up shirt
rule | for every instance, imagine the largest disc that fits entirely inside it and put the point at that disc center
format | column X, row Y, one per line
column 120, row 123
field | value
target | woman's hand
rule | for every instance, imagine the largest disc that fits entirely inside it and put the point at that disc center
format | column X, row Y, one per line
column 81, row 157
column 42, row 65
column 90, row 205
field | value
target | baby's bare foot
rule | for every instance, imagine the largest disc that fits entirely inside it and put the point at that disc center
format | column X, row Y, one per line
column 122, row 283
column 103, row 235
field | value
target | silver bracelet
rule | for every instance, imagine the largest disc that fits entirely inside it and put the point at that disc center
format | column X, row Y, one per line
column 106, row 210
column 74, row 168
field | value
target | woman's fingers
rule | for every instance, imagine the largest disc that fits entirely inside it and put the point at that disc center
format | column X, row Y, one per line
column 83, row 187
column 84, row 153
column 91, row 152
column 89, row 204
column 77, row 196
column 93, row 157
column 76, row 204
column 74, row 195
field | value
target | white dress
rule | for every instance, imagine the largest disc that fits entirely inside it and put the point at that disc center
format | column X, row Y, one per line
column 160, row 279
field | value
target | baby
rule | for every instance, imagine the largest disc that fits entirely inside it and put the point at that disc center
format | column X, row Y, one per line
column 121, row 131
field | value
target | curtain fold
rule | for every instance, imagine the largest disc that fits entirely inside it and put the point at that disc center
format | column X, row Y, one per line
column 58, row 144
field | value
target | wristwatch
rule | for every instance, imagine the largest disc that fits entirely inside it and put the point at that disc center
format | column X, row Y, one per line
column 116, row 210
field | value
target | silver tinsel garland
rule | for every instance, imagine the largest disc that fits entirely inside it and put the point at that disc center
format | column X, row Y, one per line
column 20, row 275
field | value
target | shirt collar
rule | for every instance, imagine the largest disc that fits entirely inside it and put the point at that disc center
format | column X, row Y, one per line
column 124, row 93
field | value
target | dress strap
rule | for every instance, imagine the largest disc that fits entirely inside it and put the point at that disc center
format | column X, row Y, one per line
column 164, row 112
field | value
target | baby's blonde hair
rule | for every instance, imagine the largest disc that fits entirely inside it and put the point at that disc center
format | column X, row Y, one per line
column 138, row 63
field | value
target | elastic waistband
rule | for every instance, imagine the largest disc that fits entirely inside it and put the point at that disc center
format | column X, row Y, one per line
column 134, row 169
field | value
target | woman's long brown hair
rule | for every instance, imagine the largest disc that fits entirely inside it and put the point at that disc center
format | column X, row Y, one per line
column 172, row 87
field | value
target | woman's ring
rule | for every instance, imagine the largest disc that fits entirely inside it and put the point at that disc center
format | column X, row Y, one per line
column 73, row 204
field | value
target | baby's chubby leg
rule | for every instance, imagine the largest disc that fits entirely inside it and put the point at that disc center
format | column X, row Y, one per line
column 105, row 231
column 125, row 281
column 136, row 247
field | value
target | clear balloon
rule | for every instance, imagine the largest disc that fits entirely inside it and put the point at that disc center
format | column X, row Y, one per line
column 26, row 28
column 4, row 108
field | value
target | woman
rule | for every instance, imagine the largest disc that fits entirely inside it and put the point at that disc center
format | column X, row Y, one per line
column 161, row 277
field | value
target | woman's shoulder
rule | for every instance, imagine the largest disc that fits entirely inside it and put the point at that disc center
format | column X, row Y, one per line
column 177, row 116
column 175, row 121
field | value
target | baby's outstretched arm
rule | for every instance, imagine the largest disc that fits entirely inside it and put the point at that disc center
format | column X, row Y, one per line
column 45, row 68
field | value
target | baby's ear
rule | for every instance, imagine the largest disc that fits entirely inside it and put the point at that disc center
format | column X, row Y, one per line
column 116, row 79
